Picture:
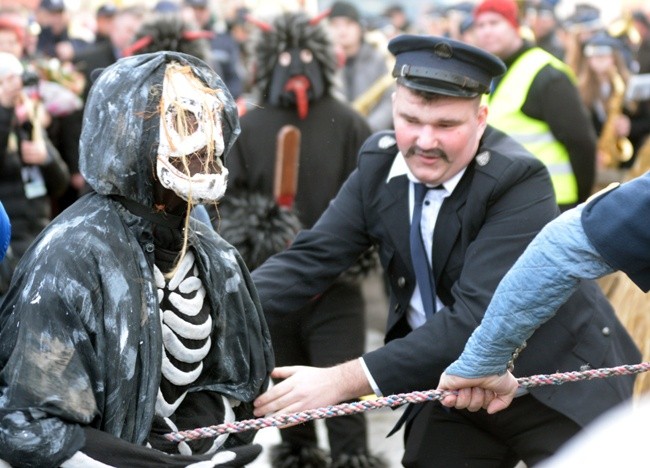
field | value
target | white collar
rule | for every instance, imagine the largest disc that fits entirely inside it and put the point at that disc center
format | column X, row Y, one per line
column 399, row 168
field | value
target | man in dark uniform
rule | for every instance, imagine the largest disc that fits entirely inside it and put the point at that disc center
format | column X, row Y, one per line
column 489, row 198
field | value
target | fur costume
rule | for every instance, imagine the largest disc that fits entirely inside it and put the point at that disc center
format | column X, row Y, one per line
column 292, row 32
column 296, row 65
column 171, row 32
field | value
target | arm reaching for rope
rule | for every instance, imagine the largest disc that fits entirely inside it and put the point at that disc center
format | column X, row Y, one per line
column 541, row 280
column 305, row 387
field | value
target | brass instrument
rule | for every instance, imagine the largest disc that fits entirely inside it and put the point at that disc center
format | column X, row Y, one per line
column 614, row 149
column 623, row 28
column 365, row 102
column 63, row 73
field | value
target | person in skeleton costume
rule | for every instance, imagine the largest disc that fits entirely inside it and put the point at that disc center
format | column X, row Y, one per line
column 127, row 319
column 296, row 65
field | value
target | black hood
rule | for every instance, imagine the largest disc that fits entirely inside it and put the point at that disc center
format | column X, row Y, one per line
column 120, row 134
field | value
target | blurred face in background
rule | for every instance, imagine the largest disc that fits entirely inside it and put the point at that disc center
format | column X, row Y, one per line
column 104, row 24
column 540, row 21
column 496, row 34
column 56, row 20
column 201, row 15
column 601, row 61
column 346, row 34
column 10, row 43
column 125, row 26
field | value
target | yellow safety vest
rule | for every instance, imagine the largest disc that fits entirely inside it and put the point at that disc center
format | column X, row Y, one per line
column 535, row 135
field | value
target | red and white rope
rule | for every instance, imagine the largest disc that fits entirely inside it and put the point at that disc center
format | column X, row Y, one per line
column 344, row 409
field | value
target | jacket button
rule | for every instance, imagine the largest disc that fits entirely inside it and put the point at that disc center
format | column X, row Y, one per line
column 396, row 308
column 149, row 248
column 401, row 281
column 606, row 331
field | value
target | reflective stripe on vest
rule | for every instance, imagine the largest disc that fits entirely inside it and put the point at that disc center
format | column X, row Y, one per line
column 506, row 115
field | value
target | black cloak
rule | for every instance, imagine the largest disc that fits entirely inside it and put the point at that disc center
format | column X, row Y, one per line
column 80, row 333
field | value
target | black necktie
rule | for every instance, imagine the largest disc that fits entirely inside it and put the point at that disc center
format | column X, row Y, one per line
column 423, row 274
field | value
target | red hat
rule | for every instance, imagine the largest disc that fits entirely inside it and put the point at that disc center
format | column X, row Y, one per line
column 12, row 24
column 506, row 8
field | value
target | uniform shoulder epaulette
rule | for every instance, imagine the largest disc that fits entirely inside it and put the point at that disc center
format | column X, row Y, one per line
column 498, row 152
column 380, row 142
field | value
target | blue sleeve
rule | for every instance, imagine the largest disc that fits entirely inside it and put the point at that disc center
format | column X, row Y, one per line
column 5, row 231
column 541, row 280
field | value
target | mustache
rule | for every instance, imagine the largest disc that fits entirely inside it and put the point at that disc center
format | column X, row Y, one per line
column 436, row 152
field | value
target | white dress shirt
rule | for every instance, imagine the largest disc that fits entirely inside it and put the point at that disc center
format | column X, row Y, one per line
column 430, row 209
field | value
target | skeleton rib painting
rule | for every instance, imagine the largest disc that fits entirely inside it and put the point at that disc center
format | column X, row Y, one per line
column 128, row 319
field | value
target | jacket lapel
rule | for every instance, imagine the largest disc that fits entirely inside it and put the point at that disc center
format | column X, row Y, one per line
column 394, row 206
column 448, row 224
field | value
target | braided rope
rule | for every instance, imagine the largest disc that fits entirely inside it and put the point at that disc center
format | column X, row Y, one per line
column 283, row 420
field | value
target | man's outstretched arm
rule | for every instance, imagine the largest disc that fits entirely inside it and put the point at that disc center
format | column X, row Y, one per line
column 306, row 388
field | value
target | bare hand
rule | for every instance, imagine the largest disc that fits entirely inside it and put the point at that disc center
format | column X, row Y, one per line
column 33, row 152
column 493, row 393
column 623, row 126
column 311, row 387
column 64, row 51
column 77, row 181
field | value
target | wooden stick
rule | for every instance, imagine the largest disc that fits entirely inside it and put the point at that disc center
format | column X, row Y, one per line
column 287, row 162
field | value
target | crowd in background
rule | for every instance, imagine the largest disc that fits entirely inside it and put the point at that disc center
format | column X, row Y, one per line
column 588, row 90
column 63, row 47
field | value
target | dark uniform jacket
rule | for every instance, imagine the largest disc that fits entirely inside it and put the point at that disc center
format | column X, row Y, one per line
column 618, row 225
column 503, row 199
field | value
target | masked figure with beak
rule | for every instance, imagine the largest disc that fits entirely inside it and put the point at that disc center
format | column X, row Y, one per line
column 295, row 78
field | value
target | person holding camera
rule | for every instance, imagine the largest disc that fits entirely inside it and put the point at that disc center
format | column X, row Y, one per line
column 31, row 169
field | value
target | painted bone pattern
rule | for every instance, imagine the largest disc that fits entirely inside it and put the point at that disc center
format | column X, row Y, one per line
column 185, row 319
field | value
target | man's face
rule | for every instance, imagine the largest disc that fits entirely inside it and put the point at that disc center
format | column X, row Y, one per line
column 496, row 35
column 104, row 25
column 9, row 43
column 201, row 15
column 437, row 138
column 346, row 33
column 57, row 20
column 125, row 26
column 541, row 22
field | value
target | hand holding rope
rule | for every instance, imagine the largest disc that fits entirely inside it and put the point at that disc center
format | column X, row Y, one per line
column 284, row 420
